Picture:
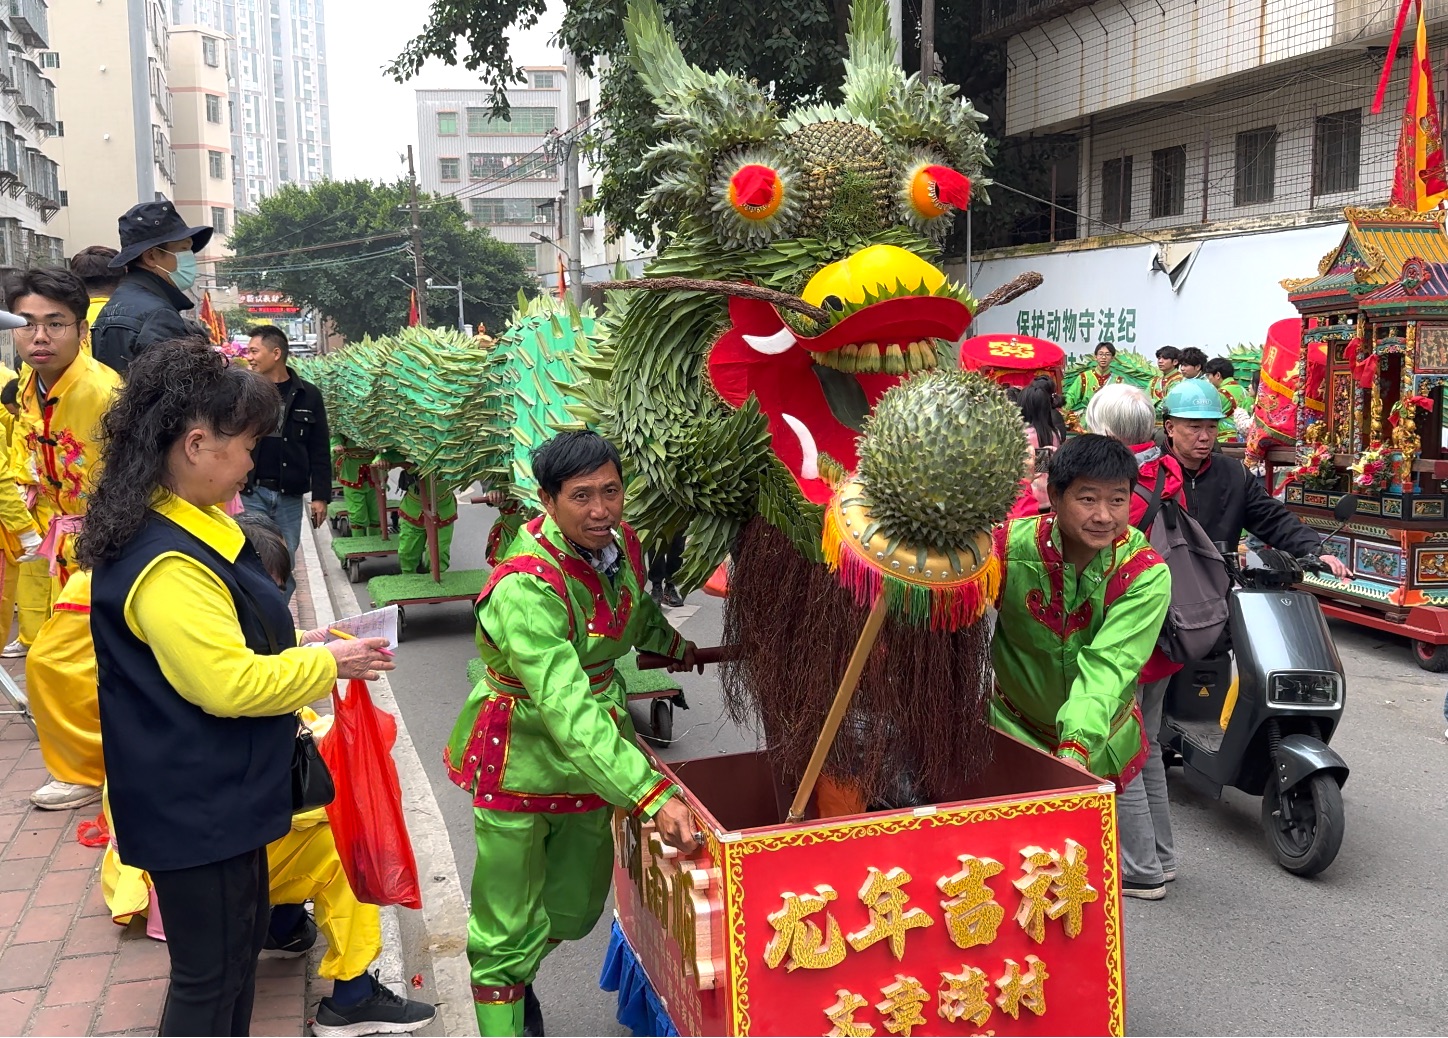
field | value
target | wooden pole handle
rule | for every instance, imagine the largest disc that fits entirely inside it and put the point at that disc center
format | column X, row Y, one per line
column 843, row 697
column 712, row 654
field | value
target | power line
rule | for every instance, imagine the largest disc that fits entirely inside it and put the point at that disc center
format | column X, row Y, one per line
column 368, row 240
column 266, row 269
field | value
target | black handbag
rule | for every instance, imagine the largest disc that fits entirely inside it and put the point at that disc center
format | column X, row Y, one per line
column 312, row 785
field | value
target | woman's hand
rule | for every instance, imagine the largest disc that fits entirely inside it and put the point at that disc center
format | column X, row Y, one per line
column 363, row 658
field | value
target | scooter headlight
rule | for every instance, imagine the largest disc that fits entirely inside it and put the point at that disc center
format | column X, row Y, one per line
column 1306, row 690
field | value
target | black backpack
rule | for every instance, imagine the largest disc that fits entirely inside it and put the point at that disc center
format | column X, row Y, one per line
column 1197, row 615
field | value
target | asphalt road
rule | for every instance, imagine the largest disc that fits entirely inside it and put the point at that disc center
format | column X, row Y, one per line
column 1238, row 947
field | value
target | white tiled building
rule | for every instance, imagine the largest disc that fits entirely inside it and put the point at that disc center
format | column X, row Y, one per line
column 279, row 119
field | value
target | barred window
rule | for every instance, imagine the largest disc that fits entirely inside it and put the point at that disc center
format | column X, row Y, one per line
column 1256, row 166
column 1337, row 152
column 1168, row 182
column 1116, row 190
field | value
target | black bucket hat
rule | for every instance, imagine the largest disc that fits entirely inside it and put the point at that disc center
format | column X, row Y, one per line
column 155, row 223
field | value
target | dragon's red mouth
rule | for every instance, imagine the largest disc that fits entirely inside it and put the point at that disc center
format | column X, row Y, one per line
column 814, row 403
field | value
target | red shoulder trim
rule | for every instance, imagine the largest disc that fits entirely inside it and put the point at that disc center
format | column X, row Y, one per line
column 634, row 551
column 1128, row 571
column 533, row 567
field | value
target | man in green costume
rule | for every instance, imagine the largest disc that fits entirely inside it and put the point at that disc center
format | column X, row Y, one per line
column 412, row 536
column 354, row 472
column 544, row 745
column 1082, row 598
column 1081, row 387
column 1222, row 373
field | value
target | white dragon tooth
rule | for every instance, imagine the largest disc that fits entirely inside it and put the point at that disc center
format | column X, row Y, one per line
column 809, row 468
column 771, row 345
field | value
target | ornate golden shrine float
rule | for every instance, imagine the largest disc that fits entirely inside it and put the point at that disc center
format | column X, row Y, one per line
column 1378, row 311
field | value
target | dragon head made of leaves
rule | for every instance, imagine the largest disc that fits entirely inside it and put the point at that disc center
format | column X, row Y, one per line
column 726, row 406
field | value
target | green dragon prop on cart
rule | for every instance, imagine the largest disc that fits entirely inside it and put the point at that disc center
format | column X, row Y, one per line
column 736, row 376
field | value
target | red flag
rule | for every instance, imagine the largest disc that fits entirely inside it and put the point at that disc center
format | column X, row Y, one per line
column 1392, row 51
column 1420, row 180
column 562, row 279
column 209, row 317
column 412, row 315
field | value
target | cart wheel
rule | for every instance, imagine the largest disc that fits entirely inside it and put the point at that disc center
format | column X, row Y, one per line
column 354, row 570
column 1431, row 657
column 661, row 720
column 344, row 526
column 1304, row 824
column 401, row 624
column 334, row 522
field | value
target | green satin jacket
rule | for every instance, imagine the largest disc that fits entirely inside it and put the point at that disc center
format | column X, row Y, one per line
column 1068, row 647
column 547, row 729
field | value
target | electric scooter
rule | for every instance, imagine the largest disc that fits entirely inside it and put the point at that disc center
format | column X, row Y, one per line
column 1259, row 715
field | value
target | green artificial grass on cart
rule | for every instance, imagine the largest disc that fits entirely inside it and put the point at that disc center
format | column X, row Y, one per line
column 403, row 587
column 345, row 546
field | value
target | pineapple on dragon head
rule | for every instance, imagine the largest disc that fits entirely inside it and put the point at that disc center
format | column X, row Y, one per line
column 801, row 285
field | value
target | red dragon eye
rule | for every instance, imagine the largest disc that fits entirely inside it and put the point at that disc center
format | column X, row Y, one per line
column 755, row 192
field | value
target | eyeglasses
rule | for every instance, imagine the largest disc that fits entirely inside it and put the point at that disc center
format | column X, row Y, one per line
column 51, row 328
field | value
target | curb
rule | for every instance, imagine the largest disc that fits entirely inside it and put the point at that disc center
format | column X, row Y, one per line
column 434, row 941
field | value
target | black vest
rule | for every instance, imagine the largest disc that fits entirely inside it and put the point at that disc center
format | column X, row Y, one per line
column 187, row 787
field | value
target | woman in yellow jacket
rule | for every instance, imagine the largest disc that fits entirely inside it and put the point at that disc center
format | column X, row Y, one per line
column 199, row 675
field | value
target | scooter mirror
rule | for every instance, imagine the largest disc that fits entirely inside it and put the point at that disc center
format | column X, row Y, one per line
column 1345, row 508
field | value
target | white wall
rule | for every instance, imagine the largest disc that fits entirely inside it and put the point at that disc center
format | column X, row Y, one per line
column 1231, row 294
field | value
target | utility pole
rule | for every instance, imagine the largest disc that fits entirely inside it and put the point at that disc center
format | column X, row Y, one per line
column 419, row 281
column 927, row 40
column 570, row 179
column 462, row 321
column 897, row 31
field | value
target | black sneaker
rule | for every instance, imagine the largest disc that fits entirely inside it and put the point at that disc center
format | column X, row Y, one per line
column 382, row 1012
column 297, row 943
column 532, row 1014
column 1144, row 891
column 671, row 597
column 656, row 592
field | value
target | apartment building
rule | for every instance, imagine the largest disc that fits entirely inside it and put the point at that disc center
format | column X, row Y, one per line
column 503, row 170
column 30, row 189
column 278, row 111
column 1208, row 147
column 201, row 89
column 110, row 60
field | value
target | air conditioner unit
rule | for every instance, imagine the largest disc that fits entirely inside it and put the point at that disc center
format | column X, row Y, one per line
column 540, row 219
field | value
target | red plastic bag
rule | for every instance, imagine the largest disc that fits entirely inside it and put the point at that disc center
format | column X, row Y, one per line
column 366, row 815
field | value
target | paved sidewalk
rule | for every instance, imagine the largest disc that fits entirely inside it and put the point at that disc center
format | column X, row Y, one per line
column 65, row 967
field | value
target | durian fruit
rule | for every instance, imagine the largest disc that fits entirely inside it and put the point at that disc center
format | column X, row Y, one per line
column 941, row 458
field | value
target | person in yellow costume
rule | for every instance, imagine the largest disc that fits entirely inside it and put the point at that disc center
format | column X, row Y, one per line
column 13, row 513
column 92, row 265
column 53, row 460
column 53, row 452
column 302, row 866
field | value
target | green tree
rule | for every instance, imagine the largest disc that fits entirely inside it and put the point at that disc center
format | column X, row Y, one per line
column 290, row 245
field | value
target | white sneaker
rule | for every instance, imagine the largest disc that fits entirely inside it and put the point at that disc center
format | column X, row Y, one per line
column 15, row 650
column 64, row 796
